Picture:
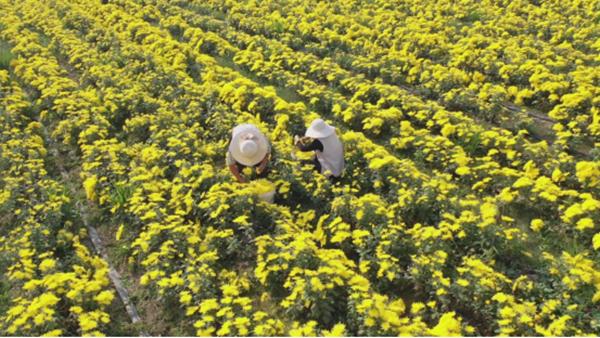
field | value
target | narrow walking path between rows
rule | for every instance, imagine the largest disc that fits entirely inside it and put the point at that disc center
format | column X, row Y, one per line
column 99, row 249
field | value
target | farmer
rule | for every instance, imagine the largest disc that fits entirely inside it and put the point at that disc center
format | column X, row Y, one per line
column 329, row 150
column 248, row 148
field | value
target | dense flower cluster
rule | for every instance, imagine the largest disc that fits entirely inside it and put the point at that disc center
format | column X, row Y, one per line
column 455, row 215
column 55, row 280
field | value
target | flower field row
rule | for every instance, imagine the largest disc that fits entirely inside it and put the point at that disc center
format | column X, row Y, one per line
column 450, row 219
column 476, row 63
column 54, row 280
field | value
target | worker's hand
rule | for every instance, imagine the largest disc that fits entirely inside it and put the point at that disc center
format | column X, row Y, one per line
column 301, row 140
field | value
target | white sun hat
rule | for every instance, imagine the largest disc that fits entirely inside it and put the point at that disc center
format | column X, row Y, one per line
column 248, row 145
column 319, row 129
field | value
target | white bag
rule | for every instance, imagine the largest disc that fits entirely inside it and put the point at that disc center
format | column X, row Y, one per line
column 268, row 197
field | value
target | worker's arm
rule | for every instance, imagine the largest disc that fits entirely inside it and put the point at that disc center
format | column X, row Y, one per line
column 236, row 172
column 231, row 163
column 263, row 164
column 309, row 145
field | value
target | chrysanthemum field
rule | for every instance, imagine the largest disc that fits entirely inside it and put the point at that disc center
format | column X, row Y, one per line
column 470, row 202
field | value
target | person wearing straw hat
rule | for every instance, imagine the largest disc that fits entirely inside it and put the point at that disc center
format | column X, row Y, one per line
column 329, row 150
column 249, row 147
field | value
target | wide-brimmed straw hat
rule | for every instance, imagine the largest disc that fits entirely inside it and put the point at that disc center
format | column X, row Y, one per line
column 319, row 129
column 248, row 145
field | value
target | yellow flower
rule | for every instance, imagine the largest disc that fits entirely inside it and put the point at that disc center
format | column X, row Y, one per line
column 462, row 282
column 489, row 211
column 585, row 223
column 119, row 232
column 87, row 323
column 185, row 297
column 596, row 241
column 507, row 312
column 572, row 211
column 536, row 224
column 558, row 175
column 447, row 326
column 338, row 330
column 230, row 290
column 247, row 171
column 225, row 330
column 461, row 171
column 104, row 297
column 90, row 185
column 448, row 130
column 506, row 195
column 262, row 186
column 500, row 297
column 588, row 172
column 76, row 309
column 4, row 196
column 208, row 305
column 53, row 333
column 523, row 182
column 47, row 264
column 47, row 300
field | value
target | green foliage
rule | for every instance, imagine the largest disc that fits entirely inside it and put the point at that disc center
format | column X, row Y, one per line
column 5, row 54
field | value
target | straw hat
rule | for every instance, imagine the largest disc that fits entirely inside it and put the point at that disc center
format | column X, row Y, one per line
column 319, row 129
column 248, row 145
